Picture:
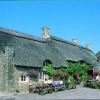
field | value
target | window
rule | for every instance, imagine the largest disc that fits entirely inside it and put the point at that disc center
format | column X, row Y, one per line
column 46, row 62
column 41, row 76
column 24, row 78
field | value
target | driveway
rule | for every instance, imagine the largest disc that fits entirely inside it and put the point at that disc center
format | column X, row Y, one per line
column 78, row 93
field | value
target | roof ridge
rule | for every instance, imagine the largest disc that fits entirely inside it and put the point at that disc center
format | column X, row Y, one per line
column 35, row 38
column 97, row 52
column 14, row 32
column 23, row 35
column 68, row 42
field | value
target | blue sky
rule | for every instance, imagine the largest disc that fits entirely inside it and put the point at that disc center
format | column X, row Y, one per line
column 66, row 19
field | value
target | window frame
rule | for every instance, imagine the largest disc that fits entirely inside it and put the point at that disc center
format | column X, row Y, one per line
column 24, row 78
column 46, row 62
column 41, row 76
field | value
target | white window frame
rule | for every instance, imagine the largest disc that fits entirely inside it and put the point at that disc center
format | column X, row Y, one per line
column 24, row 78
column 41, row 76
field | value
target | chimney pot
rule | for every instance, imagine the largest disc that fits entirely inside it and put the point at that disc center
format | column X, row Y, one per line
column 45, row 32
column 88, row 46
column 75, row 41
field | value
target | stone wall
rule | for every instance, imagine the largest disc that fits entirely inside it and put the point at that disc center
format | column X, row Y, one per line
column 21, row 86
column 10, row 74
column 9, row 69
column 2, row 65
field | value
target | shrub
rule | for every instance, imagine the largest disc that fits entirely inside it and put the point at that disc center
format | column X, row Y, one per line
column 95, row 85
column 58, row 73
column 49, row 69
column 76, row 74
column 77, row 68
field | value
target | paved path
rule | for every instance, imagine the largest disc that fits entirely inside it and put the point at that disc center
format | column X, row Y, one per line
column 79, row 93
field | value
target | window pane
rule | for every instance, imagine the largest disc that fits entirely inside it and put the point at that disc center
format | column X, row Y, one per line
column 21, row 78
column 46, row 62
column 24, row 78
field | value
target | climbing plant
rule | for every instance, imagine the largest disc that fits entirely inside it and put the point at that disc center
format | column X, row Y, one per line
column 56, row 73
column 59, row 74
column 77, row 67
column 49, row 69
column 71, row 69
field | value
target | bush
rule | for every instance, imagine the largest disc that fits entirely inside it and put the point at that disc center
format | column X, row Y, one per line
column 49, row 69
column 77, row 69
column 95, row 85
column 59, row 74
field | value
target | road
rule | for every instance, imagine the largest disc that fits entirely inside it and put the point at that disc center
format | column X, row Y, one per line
column 78, row 93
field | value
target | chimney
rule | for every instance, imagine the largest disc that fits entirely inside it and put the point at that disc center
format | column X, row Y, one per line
column 45, row 32
column 75, row 41
column 88, row 46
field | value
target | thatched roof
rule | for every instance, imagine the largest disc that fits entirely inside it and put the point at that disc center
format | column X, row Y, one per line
column 98, row 55
column 33, row 51
column 98, row 65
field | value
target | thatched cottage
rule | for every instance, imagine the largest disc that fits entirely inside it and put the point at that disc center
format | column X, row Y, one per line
column 98, row 65
column 98, row 55
column 20, row 53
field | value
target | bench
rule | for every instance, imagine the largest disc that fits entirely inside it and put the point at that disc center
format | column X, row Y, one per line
column 70, row 85
column 32, row 88
column 43, row 89
column 59, row 87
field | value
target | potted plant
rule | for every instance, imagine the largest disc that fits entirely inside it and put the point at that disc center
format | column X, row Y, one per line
column 83, row 79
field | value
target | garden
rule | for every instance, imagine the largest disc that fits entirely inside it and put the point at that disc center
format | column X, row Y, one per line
column 73, row 70
column 72, row 74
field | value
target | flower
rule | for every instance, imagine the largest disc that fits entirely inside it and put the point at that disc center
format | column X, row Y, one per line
column 89, row 77
column 60, row 74
column 76, row 74
column 33, row 73
column 96, row 72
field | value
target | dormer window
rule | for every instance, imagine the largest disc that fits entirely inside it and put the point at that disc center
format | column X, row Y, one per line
column 47, row 62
